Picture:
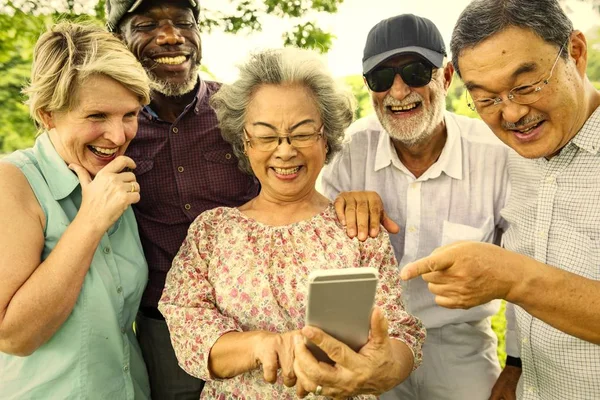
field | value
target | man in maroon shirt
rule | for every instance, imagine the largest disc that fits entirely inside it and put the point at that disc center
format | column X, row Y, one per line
column 184, row 166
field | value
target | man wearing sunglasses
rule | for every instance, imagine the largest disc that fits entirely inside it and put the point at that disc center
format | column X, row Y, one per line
column 443, row 178
column 525, row 69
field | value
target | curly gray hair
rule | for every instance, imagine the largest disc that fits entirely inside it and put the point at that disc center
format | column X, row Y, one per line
column 336, row 103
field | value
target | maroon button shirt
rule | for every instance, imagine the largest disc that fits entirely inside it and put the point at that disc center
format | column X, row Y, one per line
column 183, row 169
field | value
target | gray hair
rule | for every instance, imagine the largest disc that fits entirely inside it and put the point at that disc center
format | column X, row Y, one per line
column 289, row 65
column 67, row 55
column 484, row 18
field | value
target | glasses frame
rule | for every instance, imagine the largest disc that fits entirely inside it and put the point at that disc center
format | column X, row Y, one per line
column 537, row 87
column 398, row 71
column 289, row 138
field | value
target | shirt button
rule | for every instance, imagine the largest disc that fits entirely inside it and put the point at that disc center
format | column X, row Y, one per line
column 187, row 207
column 228, row 156
column 106, row 250
column 412, row 229
column 541, row 234
column 123, row 330
column 413, row 185
column 550, row 179
column 126, row 368
column 524, row 340
column 175, row 130
column 119, row 289
column 180, row 169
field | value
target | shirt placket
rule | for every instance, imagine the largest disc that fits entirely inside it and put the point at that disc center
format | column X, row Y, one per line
column 109, row 258
column 413, row 221
column 178, row 155
column 548, row 189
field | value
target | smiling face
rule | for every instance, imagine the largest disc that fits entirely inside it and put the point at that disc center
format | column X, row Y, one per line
column 286, row 173
column 166, row 39
column 517, row 57
column 411, row 115
column 99, row 128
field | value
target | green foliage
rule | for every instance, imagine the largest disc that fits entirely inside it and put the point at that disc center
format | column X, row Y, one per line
column 309, row 36
column 248, row 15
column 22, row 21
column 17, row 33
column 362, row 95
column 499, row 327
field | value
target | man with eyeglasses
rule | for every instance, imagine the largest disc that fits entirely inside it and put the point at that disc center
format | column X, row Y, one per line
column 443, row 178
column 525, row 69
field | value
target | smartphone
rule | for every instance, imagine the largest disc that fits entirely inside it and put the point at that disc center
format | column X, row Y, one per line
column 340, row 302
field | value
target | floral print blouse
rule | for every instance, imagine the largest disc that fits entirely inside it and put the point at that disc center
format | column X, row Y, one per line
column 234, row 273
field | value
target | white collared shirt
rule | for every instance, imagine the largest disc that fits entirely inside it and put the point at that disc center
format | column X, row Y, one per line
column 457, row 198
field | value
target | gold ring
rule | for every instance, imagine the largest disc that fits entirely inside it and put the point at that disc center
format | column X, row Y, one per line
column 132, row 187
column 319, row 390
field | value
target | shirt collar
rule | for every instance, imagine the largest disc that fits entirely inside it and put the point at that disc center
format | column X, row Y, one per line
column 588, row 137
column 450, row 160
column 61, row 180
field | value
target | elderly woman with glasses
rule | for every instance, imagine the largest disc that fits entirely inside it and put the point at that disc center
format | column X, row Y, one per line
column 234, row 299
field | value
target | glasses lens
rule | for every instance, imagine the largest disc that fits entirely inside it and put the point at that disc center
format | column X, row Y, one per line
column 381, row 79
column 416, row 74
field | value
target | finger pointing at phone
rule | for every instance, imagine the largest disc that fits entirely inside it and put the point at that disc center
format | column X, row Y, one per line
column 467, row 274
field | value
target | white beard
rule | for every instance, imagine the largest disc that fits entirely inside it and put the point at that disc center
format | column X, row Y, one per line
column 418, row 128
column 170, row 89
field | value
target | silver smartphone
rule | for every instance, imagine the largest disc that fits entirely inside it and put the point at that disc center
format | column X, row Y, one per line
column 340, row 302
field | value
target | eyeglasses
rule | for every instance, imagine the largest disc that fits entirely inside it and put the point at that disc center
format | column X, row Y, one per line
column 264, row 138
column 414, row 74
column 524, row 94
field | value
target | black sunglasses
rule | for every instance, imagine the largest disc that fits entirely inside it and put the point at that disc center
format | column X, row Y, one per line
column 414, row 74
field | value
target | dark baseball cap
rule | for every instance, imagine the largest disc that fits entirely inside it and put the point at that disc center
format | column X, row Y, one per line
column 403, row 34
column 116, row 10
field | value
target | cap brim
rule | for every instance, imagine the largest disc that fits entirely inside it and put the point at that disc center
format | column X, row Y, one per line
column 138, row 2
column 435, row 58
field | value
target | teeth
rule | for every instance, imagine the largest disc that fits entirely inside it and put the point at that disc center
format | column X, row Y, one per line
column 528, row 129
column 286, row 171
column 170, row 60
column 104, row 151
column 403, row 108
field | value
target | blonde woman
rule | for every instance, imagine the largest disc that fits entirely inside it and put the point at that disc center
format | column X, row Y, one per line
column 71, row 263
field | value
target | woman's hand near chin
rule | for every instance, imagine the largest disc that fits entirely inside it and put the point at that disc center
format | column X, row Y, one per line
column 106, row 197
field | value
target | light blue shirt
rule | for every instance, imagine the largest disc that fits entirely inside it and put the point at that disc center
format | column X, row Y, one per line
column 94, row 354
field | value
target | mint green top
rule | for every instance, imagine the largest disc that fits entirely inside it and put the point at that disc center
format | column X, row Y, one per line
column 94, row 354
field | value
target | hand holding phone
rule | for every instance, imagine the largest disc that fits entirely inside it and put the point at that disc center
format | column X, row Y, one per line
column 340, row 302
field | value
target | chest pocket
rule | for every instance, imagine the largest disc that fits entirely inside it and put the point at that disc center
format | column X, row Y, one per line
column 221, row 157
column 453, row 232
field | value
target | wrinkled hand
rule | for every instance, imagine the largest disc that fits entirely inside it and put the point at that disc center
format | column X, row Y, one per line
column 372, row 370
column 506, row 385
column 362, row 213
column 274, row 351
column 107, row 196
column 467, row 274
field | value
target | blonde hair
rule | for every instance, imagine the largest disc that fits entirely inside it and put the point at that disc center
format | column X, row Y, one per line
column 70, row 53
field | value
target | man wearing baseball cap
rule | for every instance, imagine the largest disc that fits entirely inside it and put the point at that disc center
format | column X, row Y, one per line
column 443, row 178
column 184, row 166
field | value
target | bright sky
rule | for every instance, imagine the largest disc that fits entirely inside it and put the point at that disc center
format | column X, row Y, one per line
column 350, row 25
